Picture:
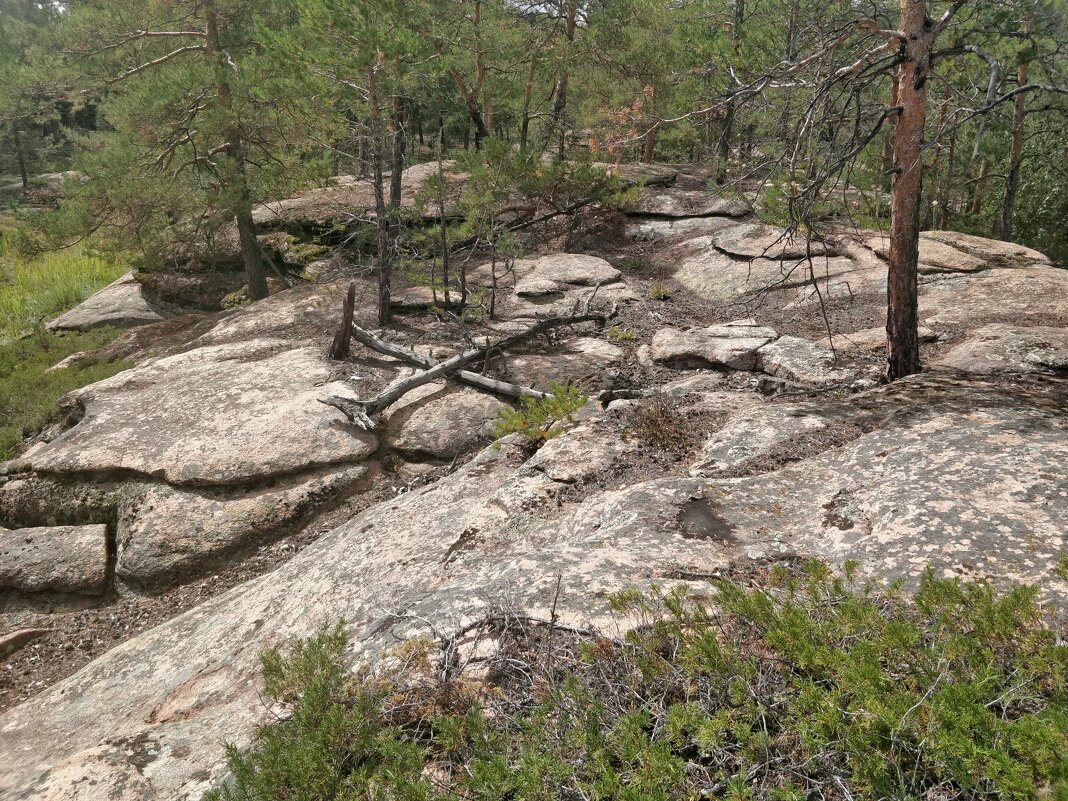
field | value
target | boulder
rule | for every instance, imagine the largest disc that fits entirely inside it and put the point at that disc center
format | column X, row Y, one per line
column 760, row 241
column 307, row 312
column 718, row 277
column 61, row 559
column 168, row 533
column 993, row 251
column 1005, row 348
column 751, row 436
column 733, row 346
column 216, row 415
column 1025, row 296
column 935, row 255
column 445, row 425
column 802, row 360
column 650, row 229
column 681, row 203
column 564, row 272
column 121, row 304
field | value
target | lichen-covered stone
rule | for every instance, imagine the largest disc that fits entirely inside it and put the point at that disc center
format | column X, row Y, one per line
column 446, row 424
column 121, row 304
column 760, row 241
column 1006, row 348
column 681, row 203
column 167, row 533
column 221, row 414
column 563, row 272
column 59, row 559
column 719, row 277
column 731, row 346
column 802, row 360
column 751, row 436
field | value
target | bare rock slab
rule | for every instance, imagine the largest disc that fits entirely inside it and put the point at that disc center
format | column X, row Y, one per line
column 60, row 559
column 446, row 425
column 650, row 229
column 225, row 414
column 1005, row 348
column 970, row 479
column 166, row 533
column 681, row 203
column 1024, row 296
column 724, row 278
column 760, row 241
column 444, row 554
column 751, row 436
column 121, row 304
column 733, row 346
column 563, row 272
column 802, row 360
column 993, row 251
column 936, row 256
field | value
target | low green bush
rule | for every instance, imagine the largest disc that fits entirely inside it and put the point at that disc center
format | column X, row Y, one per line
column 797, row 684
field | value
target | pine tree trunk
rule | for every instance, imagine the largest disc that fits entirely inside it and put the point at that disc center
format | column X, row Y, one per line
column 902, row 317
column 1012, row 180
column 384, row 253
column 524, row 114
column 251, row 254
column 250, row 246
column 649, row 147
column 20, row 154
column 980, row 184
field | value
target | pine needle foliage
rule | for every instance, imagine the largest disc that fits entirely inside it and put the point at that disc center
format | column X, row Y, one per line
column 538, row 419
column 796, row 684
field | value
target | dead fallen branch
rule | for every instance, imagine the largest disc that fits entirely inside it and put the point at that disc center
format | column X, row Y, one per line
column 361, row 412
column 476, row 380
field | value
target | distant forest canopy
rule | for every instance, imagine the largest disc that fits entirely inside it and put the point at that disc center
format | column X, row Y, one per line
column 175, row 109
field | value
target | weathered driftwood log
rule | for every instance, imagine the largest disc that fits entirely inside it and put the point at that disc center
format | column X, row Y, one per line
column 339, row 349
column 476, row 380
column 361, row 412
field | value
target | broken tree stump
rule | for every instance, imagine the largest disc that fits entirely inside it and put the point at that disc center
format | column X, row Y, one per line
column 340, row 347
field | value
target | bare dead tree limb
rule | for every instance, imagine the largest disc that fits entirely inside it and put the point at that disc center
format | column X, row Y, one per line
column 476, row 380
column 361, row 412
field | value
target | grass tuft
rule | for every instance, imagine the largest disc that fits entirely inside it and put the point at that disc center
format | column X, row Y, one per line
column 31, row 291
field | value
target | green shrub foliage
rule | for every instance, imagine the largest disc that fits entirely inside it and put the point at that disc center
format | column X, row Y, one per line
column 794, row 684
